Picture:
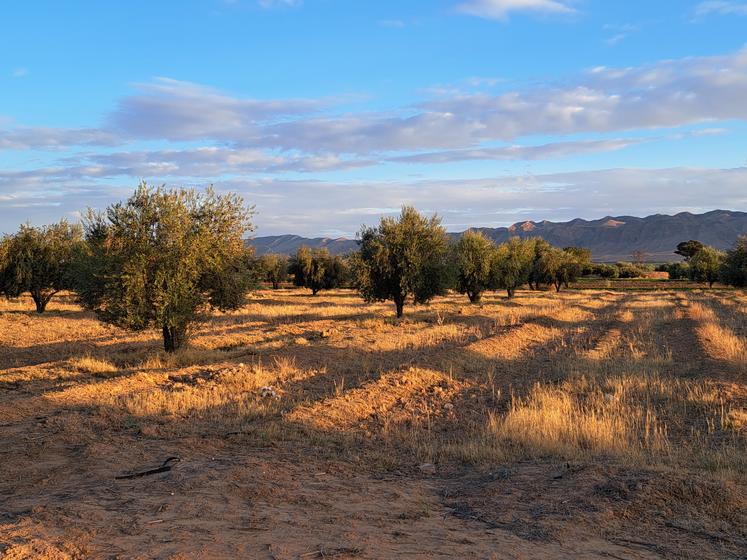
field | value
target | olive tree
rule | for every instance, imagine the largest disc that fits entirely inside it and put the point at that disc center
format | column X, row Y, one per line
column 559, row 267
column 734, row 269
column 473, row 254
column 403, row 257
column 538, row 273
column 706, row 264
column 162, row 257
column 38, row 260
column 274, row 269
column 512, row 264
column 316, row 269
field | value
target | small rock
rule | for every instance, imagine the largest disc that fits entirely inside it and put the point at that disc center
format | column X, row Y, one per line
column 268, row 392
column 449, row 406
column 301, row 341
column 427, row 468
column 241, row 365
column 326, row 333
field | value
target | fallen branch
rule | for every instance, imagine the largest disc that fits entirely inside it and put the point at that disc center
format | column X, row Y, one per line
column 167, row 465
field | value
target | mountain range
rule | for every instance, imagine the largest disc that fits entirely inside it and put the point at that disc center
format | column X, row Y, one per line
column 612, row 238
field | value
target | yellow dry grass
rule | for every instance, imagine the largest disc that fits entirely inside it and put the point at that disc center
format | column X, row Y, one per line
column 575, row 375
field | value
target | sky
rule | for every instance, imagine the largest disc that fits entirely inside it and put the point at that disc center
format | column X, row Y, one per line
column 327, row 114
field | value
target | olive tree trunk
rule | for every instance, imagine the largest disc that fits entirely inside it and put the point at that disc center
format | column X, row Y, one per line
column 174, row 337
column 399, row 303
column 41, row 300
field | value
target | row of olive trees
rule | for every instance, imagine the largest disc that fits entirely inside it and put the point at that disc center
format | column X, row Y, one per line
column 703, row 263
column 163, row 258
column 158, row 260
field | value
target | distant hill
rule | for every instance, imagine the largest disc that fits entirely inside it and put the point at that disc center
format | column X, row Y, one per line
column 612, row 238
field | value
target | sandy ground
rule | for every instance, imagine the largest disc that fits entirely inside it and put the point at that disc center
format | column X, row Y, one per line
column 238, row 491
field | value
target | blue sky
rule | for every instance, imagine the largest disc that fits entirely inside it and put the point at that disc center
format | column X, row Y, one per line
column 326, row 114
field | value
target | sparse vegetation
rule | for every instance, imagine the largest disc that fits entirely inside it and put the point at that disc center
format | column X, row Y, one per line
column 649, row 385
column 616, row 384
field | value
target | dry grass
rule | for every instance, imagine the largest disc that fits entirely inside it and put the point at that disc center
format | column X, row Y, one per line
column 574, row 375
column 95, row 366
column 637, row 380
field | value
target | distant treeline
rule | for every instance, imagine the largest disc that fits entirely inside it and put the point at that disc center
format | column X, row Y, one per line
column 162, row 258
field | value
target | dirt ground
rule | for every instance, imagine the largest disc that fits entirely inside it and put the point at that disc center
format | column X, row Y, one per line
column 594, row 424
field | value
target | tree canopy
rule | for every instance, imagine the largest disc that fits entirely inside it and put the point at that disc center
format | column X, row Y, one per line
column 39, row 260
column 512, row 264
column 316, row 269
column 706, row 264
column 473, row 254
column 274, row 269
column 161, row 257
column 734, row 269
column 688, row 249
column 403, row 257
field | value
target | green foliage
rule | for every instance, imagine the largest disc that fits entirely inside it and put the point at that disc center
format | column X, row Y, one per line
column 604, row 270
column 688, row 249
column 39, row 261
column 274, row 269
column 561, row 267
column 734, row 269
column 513, row 263
column 163, row 256
column 582, row 254
column 676, row 270
column 403, row 257
column 630, row 270
column 316, row 270
column 538, row 274
column 473, row 254
column 705, row 265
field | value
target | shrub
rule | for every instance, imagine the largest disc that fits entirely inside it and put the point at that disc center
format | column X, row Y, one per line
column 629, row 270
column 676, row 270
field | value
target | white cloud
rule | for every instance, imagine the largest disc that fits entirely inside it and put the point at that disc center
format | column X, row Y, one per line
column 330, row 208
column 24, row 138
column 524, row 153
column 721, row 7
column 177, row 110
column 20, row 73
column 500, row 9
column 208, row 161
column 313, row 207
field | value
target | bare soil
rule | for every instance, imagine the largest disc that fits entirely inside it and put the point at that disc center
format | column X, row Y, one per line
column 591, row 424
